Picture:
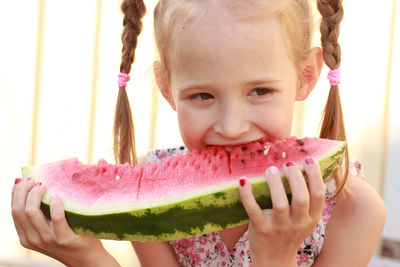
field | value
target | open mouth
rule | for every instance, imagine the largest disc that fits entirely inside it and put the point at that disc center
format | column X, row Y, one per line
column 230, row 147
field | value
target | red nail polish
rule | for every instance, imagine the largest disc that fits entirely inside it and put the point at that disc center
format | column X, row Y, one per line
column 38, row 184
column 242, row 182
column 28, row 179
column 17, row 181
column 309, row 161
column 289, row 164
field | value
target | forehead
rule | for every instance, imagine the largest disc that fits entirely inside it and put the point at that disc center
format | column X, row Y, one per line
column 216, row 45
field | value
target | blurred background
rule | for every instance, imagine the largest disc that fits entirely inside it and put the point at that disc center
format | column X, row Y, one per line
column 59, row 62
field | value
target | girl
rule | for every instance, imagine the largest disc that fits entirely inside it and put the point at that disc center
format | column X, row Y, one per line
column 232, row 70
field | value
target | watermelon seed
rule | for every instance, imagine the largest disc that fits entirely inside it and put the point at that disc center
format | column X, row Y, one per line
column 260, row 151
column 244, row 148
column 252, row 154
column 75, row 175
column 171, row 150
column 283, row 154
column 266, row 149
column 302, row 150
column 300, row 142
column 243, row 162
column 117, row 178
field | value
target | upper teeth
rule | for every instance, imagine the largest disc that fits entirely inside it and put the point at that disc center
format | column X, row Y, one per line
column 228, row 149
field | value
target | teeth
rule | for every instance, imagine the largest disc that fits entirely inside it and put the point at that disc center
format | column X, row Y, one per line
column 228, row 149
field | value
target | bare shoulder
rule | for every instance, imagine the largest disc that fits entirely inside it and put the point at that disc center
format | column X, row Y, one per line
column 355, row 227
column 362, row 203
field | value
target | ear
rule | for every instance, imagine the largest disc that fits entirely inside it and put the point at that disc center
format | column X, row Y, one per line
column 162, row 81
column 310, row 74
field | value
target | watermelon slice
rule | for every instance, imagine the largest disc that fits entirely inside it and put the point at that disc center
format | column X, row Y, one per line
column 186, row 195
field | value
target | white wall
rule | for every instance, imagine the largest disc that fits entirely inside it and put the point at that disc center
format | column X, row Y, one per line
column 392, row 172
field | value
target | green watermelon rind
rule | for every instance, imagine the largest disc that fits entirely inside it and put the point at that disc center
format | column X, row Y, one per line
column 211, row 209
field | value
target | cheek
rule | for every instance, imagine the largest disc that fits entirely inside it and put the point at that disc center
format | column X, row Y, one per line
column 276, row 119
column 286, row 118
column 192, row 125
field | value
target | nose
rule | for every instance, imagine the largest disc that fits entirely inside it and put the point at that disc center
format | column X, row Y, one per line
column 231, row 123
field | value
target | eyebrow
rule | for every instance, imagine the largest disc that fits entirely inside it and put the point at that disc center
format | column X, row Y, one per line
column 209, row 86
column 261, row 81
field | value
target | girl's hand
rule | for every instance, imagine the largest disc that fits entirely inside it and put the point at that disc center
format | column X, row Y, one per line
column 275, row 235
column 53, row 238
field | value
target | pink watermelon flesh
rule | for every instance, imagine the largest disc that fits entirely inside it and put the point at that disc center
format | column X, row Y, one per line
column 107, row 183
column 92, row 184
column 184, row 173
column 252, row 159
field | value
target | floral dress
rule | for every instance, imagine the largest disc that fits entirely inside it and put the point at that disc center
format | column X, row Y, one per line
column 210, row 250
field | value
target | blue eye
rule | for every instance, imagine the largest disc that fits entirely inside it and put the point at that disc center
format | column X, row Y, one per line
column 260, row 91
column 201, row 96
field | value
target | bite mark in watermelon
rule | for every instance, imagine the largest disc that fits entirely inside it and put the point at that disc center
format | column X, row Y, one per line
column 186, row 195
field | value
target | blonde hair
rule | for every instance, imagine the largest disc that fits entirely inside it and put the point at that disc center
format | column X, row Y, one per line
column 171, row 15
column 296, row 16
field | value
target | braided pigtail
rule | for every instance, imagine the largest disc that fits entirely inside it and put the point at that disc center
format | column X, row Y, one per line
column 333, row 121
column 124, row 137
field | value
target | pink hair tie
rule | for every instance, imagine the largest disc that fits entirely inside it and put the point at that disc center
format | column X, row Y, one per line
column 334, row 77
column 123, row 78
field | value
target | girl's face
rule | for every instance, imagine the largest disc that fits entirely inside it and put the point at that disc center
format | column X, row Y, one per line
column 232, row 82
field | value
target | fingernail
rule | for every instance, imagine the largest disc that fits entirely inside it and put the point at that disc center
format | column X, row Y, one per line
column 273, row 170
column 28, row 179
column 289, row 164
column 309, row 161
column 17, row 181
column 38, row 184
column 242, row 182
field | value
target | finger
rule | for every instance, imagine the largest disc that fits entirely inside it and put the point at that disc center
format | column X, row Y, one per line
column 36, row 216
column 16, row 182
column 316, row 187
column 280, row 203
column 61, row 228
column 25, row 230
column 252, row 208
column 18, row 227
column 300, row 204
column 23, row 238
column 21, row 233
